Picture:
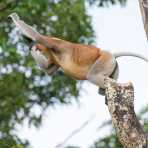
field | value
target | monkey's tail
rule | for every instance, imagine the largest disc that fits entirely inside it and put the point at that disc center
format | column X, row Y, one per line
column 122, row 54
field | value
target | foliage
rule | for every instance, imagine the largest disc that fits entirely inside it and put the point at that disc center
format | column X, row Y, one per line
column 22, row 85
column 107, row 2
column 110, row 141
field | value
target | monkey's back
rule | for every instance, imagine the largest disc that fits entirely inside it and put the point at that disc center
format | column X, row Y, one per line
column 74, row 59
column 85, row 54
column 78, row 63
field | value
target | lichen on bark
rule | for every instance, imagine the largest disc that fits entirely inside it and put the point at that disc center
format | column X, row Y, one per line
column 120, row 98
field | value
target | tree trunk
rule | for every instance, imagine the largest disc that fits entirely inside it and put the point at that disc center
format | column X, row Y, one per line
column 144, row 12
column 120, row 98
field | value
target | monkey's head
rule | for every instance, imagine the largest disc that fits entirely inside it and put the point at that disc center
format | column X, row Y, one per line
column 34, row 45
column 43, row 49
column 39, row 56
column 39, row 47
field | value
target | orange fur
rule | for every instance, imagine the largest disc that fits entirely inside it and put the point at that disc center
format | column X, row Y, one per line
column 74, row 59
column 77, row 60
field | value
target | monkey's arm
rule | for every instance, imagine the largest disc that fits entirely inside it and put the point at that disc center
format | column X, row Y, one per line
column 43, row 62
column 27, row 30
column 31, row 33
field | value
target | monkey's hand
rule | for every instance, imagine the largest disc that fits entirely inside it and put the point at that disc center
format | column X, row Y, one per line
column 43, row 62
column 51, row 69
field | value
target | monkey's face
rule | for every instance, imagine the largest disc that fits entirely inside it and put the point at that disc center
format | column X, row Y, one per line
column 42, row 49
column 39, row 47
column 39, row 57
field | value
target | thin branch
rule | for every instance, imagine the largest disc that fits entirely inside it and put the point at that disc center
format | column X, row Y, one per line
column 61, row 145
column 144, row 12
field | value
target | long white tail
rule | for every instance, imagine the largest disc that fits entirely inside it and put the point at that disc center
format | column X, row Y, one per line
column 26, row 29
column 122, row 54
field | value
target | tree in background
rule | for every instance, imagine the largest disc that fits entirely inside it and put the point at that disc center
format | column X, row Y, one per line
column 22, row 86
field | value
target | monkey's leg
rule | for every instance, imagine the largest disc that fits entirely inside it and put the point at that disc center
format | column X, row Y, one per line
column 98, row 77
column 114, row 75
column 99, row 80
column 101, row 70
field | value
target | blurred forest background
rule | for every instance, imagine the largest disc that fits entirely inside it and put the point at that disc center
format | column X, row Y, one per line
column 22, row 85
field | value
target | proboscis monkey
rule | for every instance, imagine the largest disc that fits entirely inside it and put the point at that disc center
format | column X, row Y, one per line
column 82, row 62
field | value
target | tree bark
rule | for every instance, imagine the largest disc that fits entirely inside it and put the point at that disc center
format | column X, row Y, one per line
column 120, row 99
column 144, row 12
